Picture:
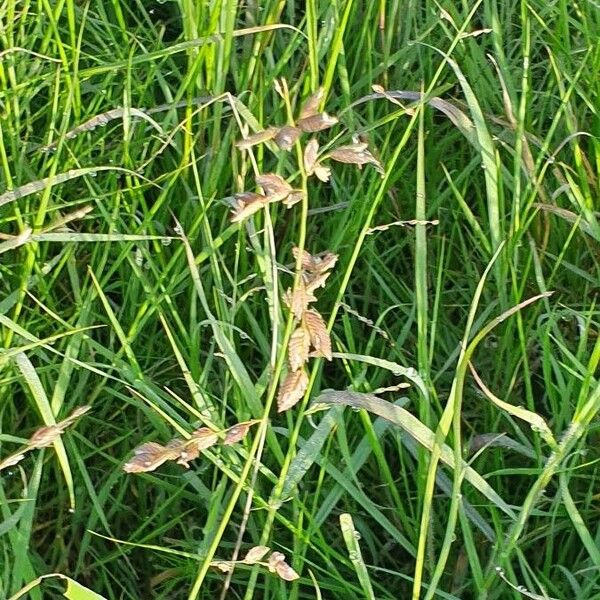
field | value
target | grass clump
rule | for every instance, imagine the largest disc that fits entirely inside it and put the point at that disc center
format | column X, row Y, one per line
column 224, row 224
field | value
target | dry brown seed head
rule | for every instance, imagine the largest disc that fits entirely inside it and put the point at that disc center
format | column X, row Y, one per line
column 257, row 138
column 310, row 155
column 44, row 436
column 294, row 197
column 285, row 571
column 273, row 185
column 148, row 457
column 256, row 554
column 11, row 460
column 317, row 122
column 276, row 557
column 203, row 438
column 298, row 348
column 319, row 336
column 248, row 203
column 311, row 106
column 236, row 433
column 322, row 173
column 287, row 136
column 291, row 390
column 355, row 154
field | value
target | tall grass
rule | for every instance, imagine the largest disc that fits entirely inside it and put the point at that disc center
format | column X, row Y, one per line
column 449, row 447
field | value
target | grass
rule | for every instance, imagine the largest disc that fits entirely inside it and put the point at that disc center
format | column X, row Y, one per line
column 457, row 456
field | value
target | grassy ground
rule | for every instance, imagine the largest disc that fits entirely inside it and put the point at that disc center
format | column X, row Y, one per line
column 125, row 286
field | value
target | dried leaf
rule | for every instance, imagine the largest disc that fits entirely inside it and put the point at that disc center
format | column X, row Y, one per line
column 286, row 572
column 248, row 203
column 257, row 138
column 274, row 559
column 44, row 436
column 203, row 438
column 291, row 390
column 319, row 336
column 237, row 433
column 311, row 106
column 317, row 122
column 298, row 348
column 310, row 155
column 287, row 136
column 322, row 173
column 356, row 154
column 148, row 457
column 273, row 185
column 256, row 554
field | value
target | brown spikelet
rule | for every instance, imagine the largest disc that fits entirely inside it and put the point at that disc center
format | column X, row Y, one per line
column 184, row 450
column 237, row 433
column 319, row 336
column 316, row 281
column 44, row 436
column 298, row 348
column 11, row 460
column 257, row 138
column 291, row 390
column 356, row 154
column 256, row 554
column 317, row 122
column 203, row 438
column 294, row 197
column 310, row 155
column 298, row 300
column 248, row 203
column 287, row 136
column 311, row 106
column 273, row 185
column 318, row 263
column 148, row 457
column 278, row 565
column 322, row 173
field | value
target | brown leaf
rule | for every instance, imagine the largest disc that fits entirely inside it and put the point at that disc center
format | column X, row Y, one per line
column 203, row 438
column 291, row 390
column 298, row 348
column 287, row 136
column 311, row 105
column 248, row 203
column 148, row 457
column 256, row 554
column 356, row 154
column 236, row 433
column 317, row 122
column 257, row 138
column 310, row 155
column 274, row 185
column 286, row 572
column 319, row 336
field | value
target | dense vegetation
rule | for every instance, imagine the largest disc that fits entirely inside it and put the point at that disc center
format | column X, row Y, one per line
column 457, row 456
